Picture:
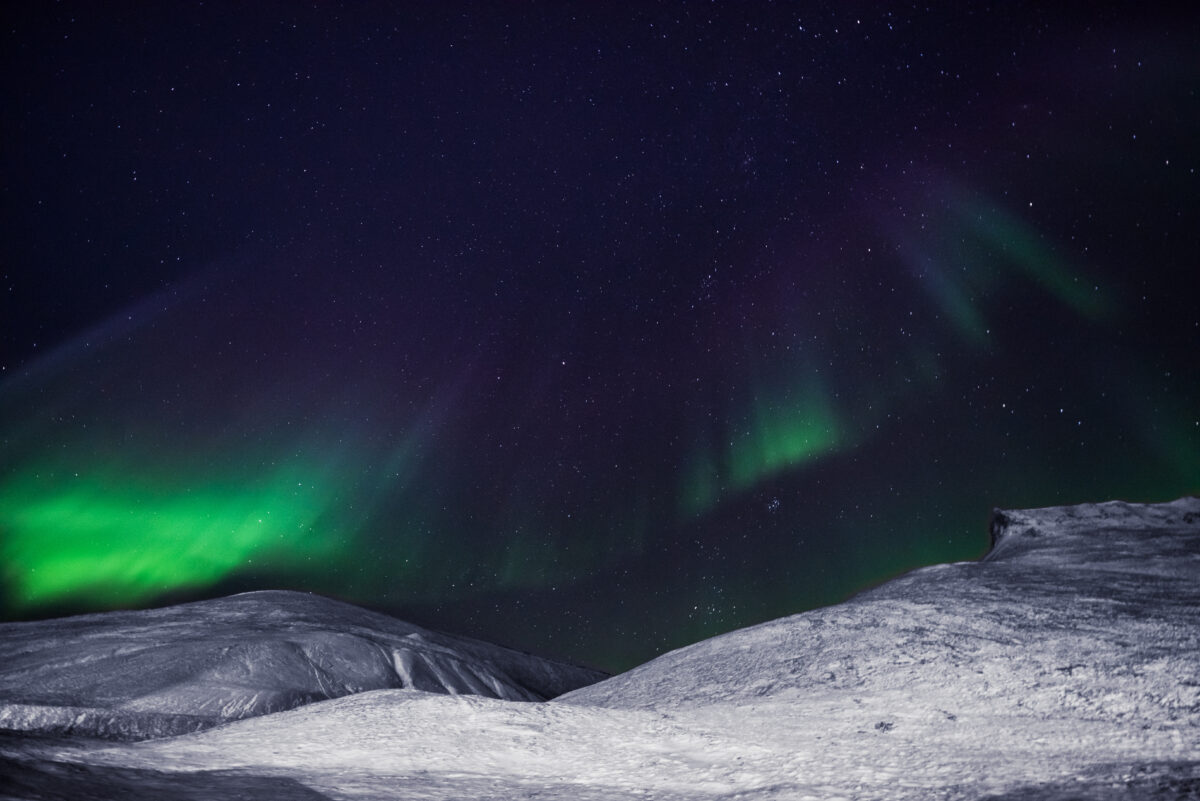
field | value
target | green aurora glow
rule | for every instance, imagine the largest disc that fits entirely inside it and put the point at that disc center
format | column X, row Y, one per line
column 1007, row 234
column 115, row 539
column 783, row 429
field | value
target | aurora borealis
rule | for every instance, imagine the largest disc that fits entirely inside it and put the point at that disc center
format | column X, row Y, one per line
column 581, row 328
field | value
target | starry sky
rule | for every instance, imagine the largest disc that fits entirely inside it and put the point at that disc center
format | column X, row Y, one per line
column 590, row 329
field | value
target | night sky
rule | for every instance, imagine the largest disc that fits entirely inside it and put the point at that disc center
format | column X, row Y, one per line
column 589, row 329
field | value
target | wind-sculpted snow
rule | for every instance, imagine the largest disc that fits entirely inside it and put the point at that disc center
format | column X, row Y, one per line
column 1116, row 536
column 1065, row 665
column 133, row 675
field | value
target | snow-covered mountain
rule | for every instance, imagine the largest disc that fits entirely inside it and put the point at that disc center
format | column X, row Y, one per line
column 133, row 675
column 1065, row 665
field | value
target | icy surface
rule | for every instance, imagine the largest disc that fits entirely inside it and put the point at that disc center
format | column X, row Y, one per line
column 133, row 675
column 1066, row 665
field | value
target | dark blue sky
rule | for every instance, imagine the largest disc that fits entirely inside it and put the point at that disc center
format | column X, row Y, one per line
column 583, row 328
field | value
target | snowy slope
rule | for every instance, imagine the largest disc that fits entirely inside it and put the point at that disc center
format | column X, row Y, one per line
column 1063, row 666
column 1088, row 608
column 184, row 668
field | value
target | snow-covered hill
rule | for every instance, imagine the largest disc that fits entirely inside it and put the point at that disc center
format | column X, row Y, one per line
column 1085, row 609
column 1065, row 665
column 133, row 675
